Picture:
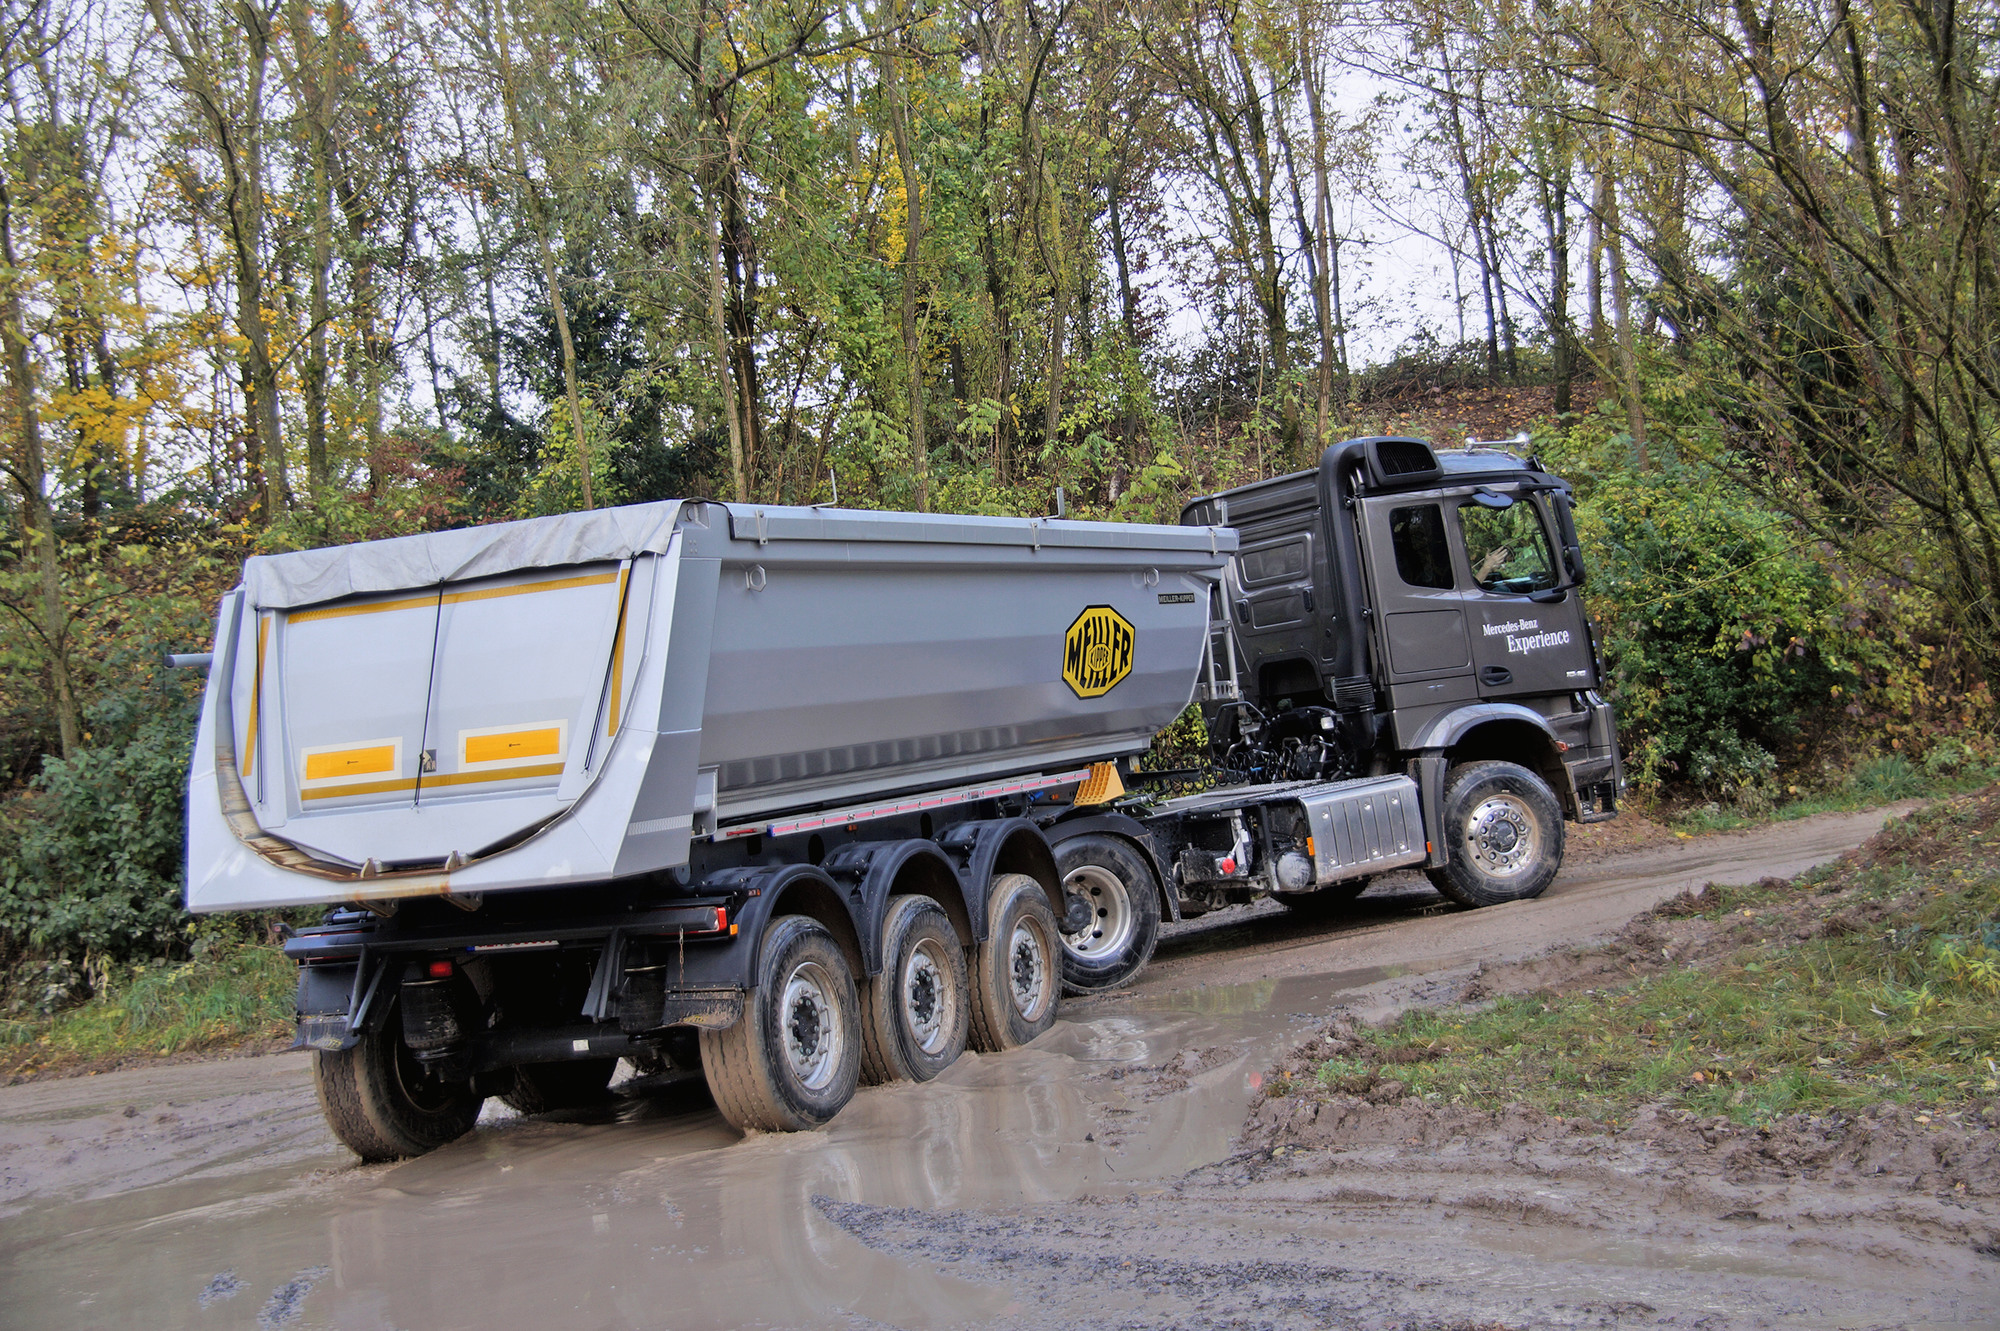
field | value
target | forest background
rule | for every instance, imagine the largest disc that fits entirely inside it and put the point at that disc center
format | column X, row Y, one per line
column 284, row 273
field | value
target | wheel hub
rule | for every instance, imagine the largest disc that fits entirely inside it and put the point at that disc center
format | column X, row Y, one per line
column 927, row 999
column 1029, row 969
column 812, row 1034
column 1501, row 836
column 1099, row 920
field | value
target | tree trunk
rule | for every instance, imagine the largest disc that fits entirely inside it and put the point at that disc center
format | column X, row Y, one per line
column 1474, row 211
column 1621, row 315
column 1553, row 188
column 314, row 378
column 1326, row 274
column 241, row 151
column 539, row 220
column 718, row 324
column 913, row 232
column 37, row 520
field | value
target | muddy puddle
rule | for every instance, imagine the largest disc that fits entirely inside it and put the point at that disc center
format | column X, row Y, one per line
column 655, row 1212
column 1096, row 1179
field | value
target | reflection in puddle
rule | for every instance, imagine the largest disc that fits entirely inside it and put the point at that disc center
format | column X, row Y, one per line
column 654, row 1203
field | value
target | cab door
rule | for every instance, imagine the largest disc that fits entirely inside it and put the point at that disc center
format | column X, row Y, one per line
column 1419, row 601
column 1525, row 619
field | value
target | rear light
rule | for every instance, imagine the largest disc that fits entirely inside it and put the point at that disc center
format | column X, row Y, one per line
column 440, row 970
column 1227, row 864
column 722, row 920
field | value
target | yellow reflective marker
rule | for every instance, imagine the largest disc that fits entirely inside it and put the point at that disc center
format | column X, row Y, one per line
column 513, row 745
column 339, row 764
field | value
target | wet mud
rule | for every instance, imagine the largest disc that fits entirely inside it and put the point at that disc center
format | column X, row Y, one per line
column 1104, row 1177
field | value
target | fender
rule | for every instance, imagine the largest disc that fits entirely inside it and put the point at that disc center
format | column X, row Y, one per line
column 733, row 964
column 982, row 848
column 875, row 867
column 1428, row 765
column 1445, row 731
column 1130, row 829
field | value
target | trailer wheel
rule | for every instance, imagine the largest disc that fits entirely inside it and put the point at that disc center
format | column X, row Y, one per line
column 913, row 1014
column 541, row 1087
column 383, row 1104
column 1112, row 916
column 1016, row 972
column 1324, row 903
column 794, row 1059
column 1503, row 835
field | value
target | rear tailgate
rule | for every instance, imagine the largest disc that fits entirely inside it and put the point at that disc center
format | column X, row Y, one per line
column 478, row 706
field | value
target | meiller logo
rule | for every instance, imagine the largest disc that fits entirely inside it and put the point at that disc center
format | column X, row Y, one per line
column 1526, row 642
column 1097, row 651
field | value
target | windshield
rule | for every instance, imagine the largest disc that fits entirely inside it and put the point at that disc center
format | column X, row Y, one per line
column 1507, row 548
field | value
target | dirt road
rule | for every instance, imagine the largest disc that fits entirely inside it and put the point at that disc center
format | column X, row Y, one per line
column 1093, row 1180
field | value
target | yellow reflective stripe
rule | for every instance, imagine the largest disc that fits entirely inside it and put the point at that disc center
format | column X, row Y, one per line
column 444, row 779
column 552, row 585
column 503, row 774
column 256, row 694
column 372, row 608
column 541, row 743
column 618, row 651
column 350, row 762
column 359, row 788
column 451, row 598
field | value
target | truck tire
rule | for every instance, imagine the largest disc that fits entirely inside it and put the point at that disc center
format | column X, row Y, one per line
column 1017, row 971
column 794, row 1059
column 914, row 1013
column 1110, row 878
column 383, row 1104
column 541, row 1087
column 1503, row 835
column 1324, row 903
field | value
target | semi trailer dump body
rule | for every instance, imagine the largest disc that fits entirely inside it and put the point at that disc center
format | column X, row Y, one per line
column 571, row 700
column 803, row 797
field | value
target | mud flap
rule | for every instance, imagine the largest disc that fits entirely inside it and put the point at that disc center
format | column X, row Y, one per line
column 1430, row 768
column 335, row 1003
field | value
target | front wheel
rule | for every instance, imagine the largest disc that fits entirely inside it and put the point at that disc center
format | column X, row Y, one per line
column 1016, row 972
column 1112, row 913
column 383, row 1104
column 1503, row 835
column 794, row 1059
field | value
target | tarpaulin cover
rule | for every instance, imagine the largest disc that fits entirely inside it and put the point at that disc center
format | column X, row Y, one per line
column 309, row 577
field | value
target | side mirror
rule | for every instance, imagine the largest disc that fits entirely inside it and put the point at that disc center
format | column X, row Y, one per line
column 1573, row 564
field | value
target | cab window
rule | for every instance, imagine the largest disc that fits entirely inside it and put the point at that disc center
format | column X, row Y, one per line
column 1423, row 558
column 1507, row 548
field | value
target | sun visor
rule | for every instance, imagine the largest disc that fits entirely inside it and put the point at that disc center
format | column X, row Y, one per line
column 312, row 577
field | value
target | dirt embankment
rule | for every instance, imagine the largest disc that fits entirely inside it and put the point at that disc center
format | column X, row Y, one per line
column 1911, row 1178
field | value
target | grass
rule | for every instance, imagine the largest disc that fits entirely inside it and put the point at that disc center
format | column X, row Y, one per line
column 237, row 994
column 1882, row 780
column 1892, row 994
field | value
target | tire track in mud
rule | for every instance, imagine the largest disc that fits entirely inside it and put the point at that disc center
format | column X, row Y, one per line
column 1049, row 1187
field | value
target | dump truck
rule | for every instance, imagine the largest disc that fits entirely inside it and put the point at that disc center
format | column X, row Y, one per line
column 805, row 797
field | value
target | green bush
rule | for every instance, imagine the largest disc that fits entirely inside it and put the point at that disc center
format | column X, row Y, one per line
column 1715, row 622
column 93, row 874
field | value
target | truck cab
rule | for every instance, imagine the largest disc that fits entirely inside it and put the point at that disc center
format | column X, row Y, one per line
column 1405, row 609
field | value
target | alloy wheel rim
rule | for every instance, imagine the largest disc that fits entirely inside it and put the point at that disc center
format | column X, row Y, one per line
column 1028, row 971
column 1113, row 919
column 812, row 1035
column 929, row 1000
column 1502, row 836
